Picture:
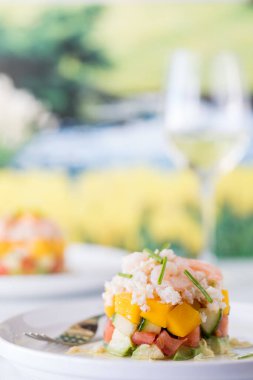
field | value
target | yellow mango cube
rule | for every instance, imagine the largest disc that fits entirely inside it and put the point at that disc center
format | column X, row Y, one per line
column 4, row 247
column 110, row 310
column 182, row 320
column 226, row 301
column 41, row 248
column 124, row 307
column 157, row 313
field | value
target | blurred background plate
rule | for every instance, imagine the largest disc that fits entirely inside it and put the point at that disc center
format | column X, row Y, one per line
column 88, row 267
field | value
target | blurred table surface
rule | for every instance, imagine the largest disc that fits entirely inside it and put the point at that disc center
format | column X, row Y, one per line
column 238, row 277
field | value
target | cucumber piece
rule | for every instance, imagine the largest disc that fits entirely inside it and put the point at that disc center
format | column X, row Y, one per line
column 186, row 353
column 123, row 325
column 146, row 352
column 212, row 322
column 120, row 344
column 147, row 326
column 220, row 346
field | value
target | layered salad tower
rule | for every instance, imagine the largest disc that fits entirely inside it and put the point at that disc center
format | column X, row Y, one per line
column 30, row 244
column 164, row 306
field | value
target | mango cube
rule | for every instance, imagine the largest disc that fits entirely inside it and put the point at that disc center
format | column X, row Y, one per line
column 157, row 313
column 182, row 320
column 110, row 310
column 124, row 307
column 226, row 301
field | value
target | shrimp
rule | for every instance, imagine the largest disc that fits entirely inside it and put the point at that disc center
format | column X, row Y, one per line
column 174, row 273
column 212, row 273
column 180, row 283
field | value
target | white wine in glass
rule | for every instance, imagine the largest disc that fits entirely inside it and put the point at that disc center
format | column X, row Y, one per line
column 211, row 136
column 207, row 152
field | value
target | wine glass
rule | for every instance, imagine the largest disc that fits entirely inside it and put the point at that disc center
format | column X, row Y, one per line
column 209, row 136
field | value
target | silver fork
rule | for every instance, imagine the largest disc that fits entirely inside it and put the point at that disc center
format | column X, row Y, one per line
column 76, row 335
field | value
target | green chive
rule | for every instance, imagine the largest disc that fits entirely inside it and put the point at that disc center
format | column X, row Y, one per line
column 199, row 286
column 245, row 356
column 141, row 324
column 154, row 255
column 126, row 275
column 160, row 279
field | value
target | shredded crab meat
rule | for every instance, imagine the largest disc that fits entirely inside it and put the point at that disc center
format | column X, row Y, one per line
column 175, row 287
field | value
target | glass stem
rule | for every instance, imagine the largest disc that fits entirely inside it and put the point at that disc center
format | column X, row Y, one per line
column 207, row 185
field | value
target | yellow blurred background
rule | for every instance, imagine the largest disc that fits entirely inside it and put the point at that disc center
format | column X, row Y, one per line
column 133, row 208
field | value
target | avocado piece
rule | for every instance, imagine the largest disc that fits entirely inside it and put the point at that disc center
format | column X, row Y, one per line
column 147, row 326
column 186, row 353
column 212, row 322
column 123, row 325
column 146, row 352
column 120, row 345
column 220, row 346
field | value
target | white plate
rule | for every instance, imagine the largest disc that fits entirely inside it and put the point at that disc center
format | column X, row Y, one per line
column 88, row 267
column 36, row 360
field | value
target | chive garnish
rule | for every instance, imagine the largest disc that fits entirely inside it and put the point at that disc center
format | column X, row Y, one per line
column 245, row 356
column 141, row 324
column 154, row 256
column 160, row 279
column 199, row 286
column 126, row 275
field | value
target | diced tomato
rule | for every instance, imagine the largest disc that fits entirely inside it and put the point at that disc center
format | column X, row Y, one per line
column 58, row 266
column 140, row 337
column 192, row 339
column 222, row 329
column 109, row 328
column 28, row 265
column 3, row 270
column 167, row 344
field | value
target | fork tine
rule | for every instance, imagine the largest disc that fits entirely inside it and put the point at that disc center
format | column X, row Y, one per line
column 46, row 338
column 41, row 337
column 31, row 334
column 77, row 334
column 37, row 335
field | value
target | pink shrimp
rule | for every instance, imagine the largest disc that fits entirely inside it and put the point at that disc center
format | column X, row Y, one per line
column 210, row 271
column 180, row 283
column 174, row 273
column 213, row 273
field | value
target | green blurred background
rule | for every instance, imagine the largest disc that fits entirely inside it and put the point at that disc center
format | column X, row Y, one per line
column 89, row 53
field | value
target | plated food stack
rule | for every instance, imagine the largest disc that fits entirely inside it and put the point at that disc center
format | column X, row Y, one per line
column 30, row 244
column 163, row 306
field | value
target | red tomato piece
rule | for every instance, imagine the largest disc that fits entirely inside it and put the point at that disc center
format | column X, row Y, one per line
column 28, row 265
column 109, row 328
column 222, row 329
column 3, row 270
column 192, row 339
column 140, row 337
column 167, row 344
column 58, row 266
